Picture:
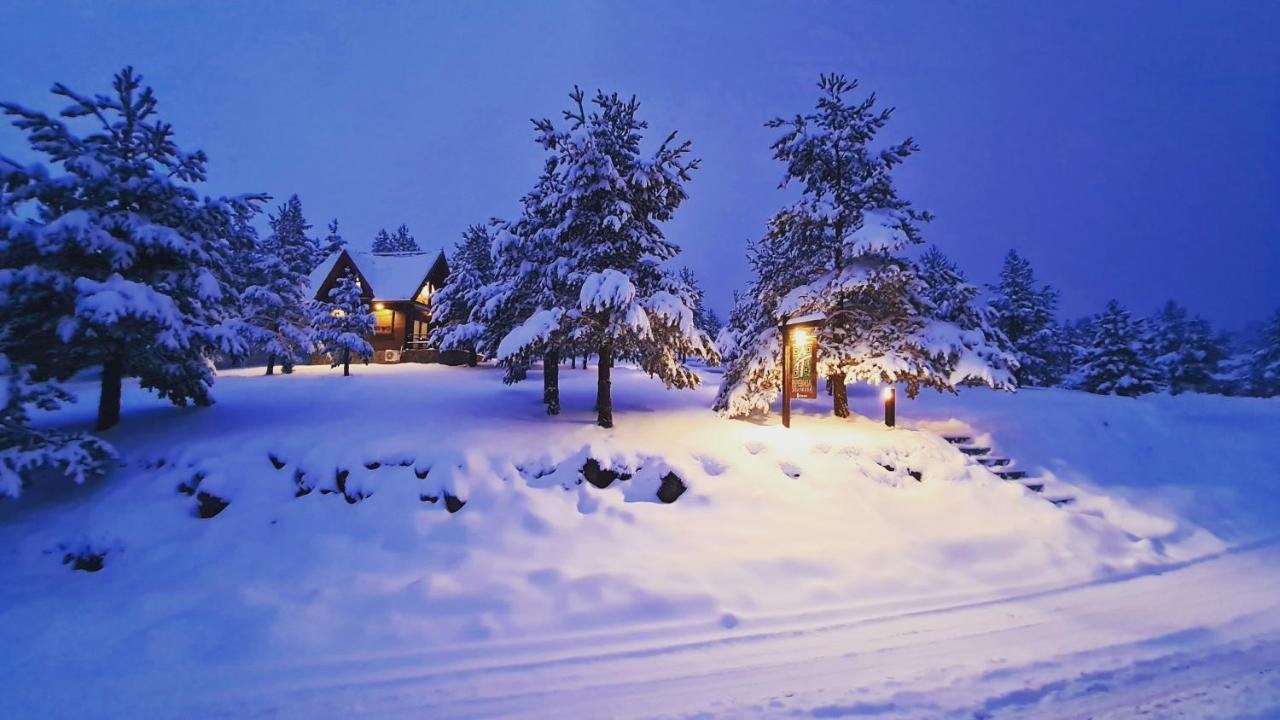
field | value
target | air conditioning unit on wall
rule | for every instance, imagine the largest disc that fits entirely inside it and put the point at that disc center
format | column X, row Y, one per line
column 391, row 356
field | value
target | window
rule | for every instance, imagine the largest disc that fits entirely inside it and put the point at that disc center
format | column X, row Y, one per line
column 384, row 320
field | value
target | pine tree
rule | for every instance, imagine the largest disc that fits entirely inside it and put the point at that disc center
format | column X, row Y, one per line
column 115, row 260
column 1187, row 353
column 1119, row 361
column 711, row 323
column 1264, row 363
column 596, row 249
column 26, row 450
column 276, row 303
column 745, row 319
column 332, row 244
column 976, row 350
column 1075, row 338
column 839, row 251
column 695, row 299
column 383, row 244
column 945, row 287
column 403, row 242
column 343, row 323
column 519, row 290
column 456, row 323
column 1025, row 314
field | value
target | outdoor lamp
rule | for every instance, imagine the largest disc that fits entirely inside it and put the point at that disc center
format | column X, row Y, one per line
column 890, row 396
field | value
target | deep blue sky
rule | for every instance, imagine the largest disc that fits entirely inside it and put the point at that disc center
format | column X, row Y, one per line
column 1131, row 150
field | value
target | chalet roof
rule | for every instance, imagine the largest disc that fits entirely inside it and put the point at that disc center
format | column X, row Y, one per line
column 391, row 277
column 811, row 318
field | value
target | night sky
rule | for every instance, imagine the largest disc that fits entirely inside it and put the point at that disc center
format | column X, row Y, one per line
column 1130, row 150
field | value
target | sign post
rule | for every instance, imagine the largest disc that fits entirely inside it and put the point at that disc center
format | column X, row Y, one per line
column 799, row 361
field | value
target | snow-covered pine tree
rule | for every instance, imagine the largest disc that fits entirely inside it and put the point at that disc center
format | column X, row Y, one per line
column 1025, row 314
column 332, row 243
column 403, row 242
column 1264, row 364
column 976, row 350
column 522, row 250
column 690, row 292
column 838, row 250
column 276, row 303
column 343, row 323
column 711, row 323
column 25, row 450
column 114, row 259
column 595, row 249
column 1187, row 353
column 745, row 318
column 455, row 323
column 695, row 300
column 1120, row 360
column 1075, row 339
column 945, row 286
column 382, row 243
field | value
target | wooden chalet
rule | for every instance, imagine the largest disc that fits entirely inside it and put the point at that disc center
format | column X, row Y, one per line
column 398, row 286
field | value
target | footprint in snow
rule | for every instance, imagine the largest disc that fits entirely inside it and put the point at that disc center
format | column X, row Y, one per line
column 792, row 471
column 755, row 447
column 710, row 465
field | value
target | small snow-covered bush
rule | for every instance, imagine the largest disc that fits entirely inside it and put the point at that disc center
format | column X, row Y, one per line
column 25, row 450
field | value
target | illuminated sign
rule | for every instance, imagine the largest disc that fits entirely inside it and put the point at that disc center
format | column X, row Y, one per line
column 804, row 361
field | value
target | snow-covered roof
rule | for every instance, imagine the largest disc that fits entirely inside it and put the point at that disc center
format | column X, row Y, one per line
column 392, row 277
column 806, row 319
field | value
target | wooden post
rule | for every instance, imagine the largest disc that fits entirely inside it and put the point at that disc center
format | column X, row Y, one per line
column 786, row 376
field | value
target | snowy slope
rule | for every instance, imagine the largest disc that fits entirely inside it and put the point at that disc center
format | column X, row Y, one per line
column 790, row 550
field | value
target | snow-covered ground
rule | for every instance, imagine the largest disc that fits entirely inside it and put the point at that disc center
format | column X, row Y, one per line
column 797, row 576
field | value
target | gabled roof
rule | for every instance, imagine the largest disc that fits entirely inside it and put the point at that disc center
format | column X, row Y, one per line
column 396, row 276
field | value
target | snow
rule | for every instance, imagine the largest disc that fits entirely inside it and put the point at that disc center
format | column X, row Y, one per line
column 105, row 304
column 607, row 290
column 798, row 575
column 816, row 317
column 390, row 277
column 539, row 326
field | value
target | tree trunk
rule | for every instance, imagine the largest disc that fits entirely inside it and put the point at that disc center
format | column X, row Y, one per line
column 584, row 360
column 551, row 381
column 109, row 400
column 472, row 358
column 840, row 395
column 287, row 366
column 271, row 364
column 573, row 361
column 604, row 396
column 346, row 362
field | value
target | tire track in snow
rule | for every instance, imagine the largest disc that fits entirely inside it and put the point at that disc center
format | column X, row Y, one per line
column 924, row 661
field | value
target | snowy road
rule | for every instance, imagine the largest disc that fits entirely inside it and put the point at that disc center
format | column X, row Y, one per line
column 1173, row 644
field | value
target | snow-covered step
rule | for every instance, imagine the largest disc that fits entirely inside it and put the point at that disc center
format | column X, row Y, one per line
column 1001, row 467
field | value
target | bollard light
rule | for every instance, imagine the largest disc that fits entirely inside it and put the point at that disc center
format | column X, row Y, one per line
column 890, row 396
